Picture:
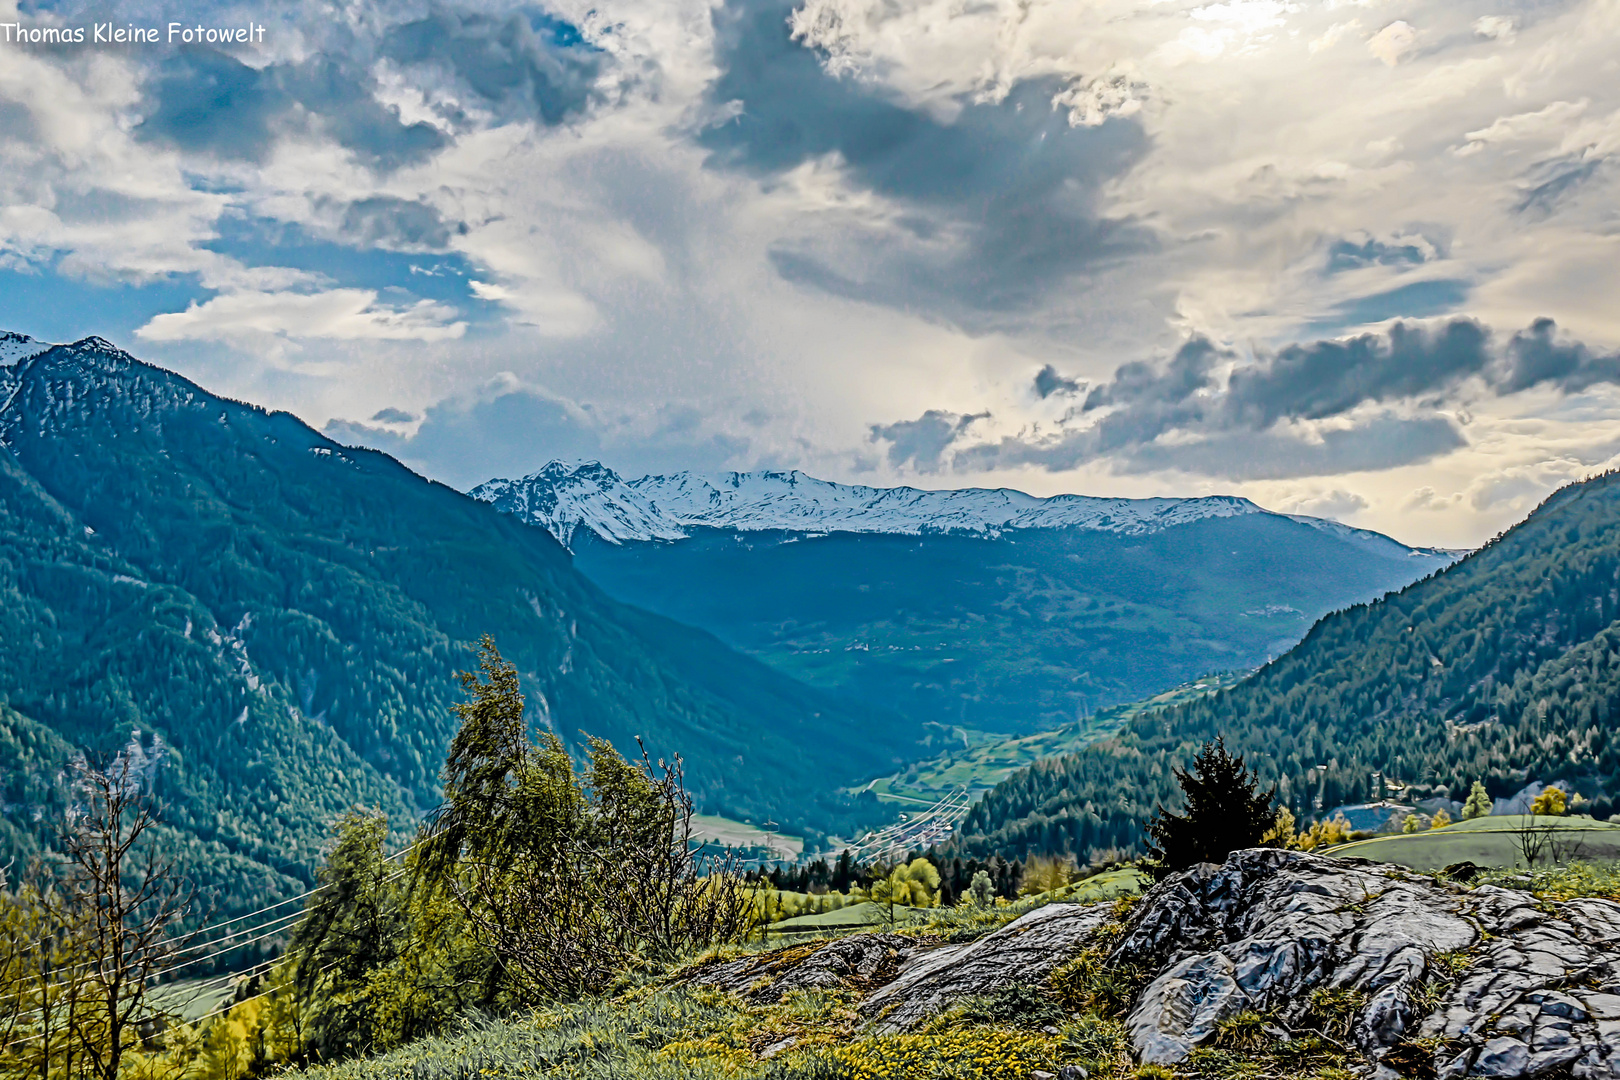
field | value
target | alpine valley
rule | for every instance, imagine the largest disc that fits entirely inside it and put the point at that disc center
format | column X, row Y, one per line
column 269, row 623
column 970, row 612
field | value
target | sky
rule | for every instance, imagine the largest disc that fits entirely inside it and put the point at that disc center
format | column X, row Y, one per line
column 1353, row 258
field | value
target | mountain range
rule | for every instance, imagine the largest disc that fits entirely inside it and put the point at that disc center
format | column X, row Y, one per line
column 272, row 622
column 1504, row 668
column 967, row 610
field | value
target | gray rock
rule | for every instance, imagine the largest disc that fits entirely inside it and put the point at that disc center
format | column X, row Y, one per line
column 859, row 962
column 1269, row 929
column 1024, row 951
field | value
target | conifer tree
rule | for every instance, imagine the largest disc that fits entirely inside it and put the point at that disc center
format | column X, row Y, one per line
column 1224, row 811
column 1478, row 803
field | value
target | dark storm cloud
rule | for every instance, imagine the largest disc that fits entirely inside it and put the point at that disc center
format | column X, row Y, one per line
column 1239, row 427
column 523, row 63
column 1000, row 200
column 1328, row 378
column 209, row 101
column 1537, row 355
column 385, row 221
column 922, row 441
column 1049, row 382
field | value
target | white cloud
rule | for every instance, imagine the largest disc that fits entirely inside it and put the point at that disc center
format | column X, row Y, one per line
column 337, row 314
column 1393, row 42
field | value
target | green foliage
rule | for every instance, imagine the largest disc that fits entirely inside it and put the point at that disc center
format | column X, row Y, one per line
column 1017, row 1005
column 1502, row 667
column 1224, row 810
column 379, row 958
column 981, row 892
column 570, row 879
column 1478, row 803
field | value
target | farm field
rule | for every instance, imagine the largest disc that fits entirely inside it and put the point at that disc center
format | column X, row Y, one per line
column 1488, row 841
column 715, row 829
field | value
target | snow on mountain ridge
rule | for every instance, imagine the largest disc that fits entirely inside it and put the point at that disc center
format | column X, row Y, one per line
column 15, row 348
column 561, row 498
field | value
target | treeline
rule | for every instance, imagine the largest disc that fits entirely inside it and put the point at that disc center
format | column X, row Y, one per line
column 1503, row 668
column 845, row 875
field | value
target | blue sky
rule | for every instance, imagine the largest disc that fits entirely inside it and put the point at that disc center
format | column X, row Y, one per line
column 1348, row 257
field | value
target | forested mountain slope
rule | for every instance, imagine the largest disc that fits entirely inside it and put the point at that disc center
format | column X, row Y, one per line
column 1504, row 667
column 984, row 610
column 273, row 621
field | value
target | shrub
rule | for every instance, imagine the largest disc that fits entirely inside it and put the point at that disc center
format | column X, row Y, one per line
column 1552, row 802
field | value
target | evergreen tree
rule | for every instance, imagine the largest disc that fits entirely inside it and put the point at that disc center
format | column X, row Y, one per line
column 1478, row 804
column 1225, row 810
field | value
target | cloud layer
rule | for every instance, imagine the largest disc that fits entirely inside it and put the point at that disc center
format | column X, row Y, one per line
column 1312, row 252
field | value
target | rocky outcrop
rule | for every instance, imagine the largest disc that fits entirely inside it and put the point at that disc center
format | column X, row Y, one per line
column 1024, row 951
column 1423, row 977
column 1487, row 981
column 859, row 962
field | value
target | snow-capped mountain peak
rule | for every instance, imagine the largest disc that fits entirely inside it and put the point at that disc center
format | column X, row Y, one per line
column 15, row 348
column 562, row 497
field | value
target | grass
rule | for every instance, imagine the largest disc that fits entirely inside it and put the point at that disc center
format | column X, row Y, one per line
column 865, row 913
column 740, row 834
column 1486, row 841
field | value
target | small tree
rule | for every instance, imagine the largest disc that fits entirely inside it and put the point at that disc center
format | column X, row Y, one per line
column 1478, row 804
column 125, row 903
column 1550, row 803
column 1412, row 824
column 1225, row 810
column 1441, row 819
column 981, row 890
column 1283, row 834
column 1324, row 834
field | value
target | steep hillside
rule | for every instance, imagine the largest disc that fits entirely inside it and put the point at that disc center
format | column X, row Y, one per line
column 273, row 621
column 988, row 611
column 1505, row 668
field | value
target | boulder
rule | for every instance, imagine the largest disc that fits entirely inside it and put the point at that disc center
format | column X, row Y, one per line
column 858, row 962
column 1024, row 951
